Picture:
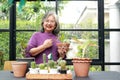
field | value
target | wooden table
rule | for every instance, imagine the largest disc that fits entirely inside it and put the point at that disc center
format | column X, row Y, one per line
column 101, row 75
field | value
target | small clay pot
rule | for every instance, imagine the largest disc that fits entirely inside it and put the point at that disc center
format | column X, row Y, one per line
column 19, row 68
column 81, row 66
column 29, row 60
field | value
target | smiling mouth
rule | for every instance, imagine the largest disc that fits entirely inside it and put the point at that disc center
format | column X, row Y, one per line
column 49, row 26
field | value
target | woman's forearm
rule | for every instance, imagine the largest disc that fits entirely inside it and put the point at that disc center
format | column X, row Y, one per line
column 37, row 50
column 47, row 43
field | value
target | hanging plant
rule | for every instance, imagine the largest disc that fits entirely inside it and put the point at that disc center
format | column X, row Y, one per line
column 8, row 3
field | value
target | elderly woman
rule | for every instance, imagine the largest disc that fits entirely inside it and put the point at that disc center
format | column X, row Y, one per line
column 45, row 40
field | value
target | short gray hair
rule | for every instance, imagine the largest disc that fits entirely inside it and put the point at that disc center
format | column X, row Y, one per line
column 57, row 28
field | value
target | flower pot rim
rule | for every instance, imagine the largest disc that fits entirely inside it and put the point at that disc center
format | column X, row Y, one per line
column 19, row 62
column 78, row 58
column 81, row 60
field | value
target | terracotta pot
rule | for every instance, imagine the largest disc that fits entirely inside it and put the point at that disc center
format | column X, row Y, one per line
column 81, row 66
column 19, row 68
column 29, row 60
column 63, row 46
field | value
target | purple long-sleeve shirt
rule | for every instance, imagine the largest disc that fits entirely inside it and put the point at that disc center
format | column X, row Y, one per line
column 36, row 40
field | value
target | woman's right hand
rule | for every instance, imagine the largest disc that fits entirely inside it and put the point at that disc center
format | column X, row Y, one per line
column 47, row 43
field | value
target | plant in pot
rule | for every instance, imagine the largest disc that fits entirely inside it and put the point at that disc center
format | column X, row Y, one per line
column 33, row 68
column 82, row 62
column 62, row 64
column 43, row 66
column 64, row 44
column 52, row 65
column 43, row 69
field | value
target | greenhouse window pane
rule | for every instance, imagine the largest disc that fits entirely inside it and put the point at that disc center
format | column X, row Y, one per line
column 21, row 44
column 4, row 45
column 79, row 15
column 80, row 40
column 112, row 14
column 29, row 18
column 4, row 16
column 112, row 51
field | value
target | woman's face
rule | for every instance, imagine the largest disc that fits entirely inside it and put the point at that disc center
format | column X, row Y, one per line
column 49, row 24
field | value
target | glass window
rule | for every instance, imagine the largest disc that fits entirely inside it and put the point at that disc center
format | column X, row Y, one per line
column 21, row 43
column 112, row 47
column 29, row 17
column 80, row 41
column 79, row 15
column 4, row 45
column 111, row 14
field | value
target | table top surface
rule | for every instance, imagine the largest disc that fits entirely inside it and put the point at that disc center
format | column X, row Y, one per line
column 100, row 75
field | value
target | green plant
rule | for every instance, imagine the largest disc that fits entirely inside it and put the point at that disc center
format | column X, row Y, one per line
column 83, row 48
column 62, row 63
column 44, row 58
column 42, row 66
column 63, row 37
column 22, row 40
column 33, row 64
column 1, row 58
column 8, row 3
column 51, row 63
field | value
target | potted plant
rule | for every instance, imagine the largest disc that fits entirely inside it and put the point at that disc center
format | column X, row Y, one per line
column 52, row 65
column 19, row 68
column 43, row 69
column 82, row 63
column 29, row 60
column 62, row 66
column 33, row 68
column 64, row 44
column 43, row 66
